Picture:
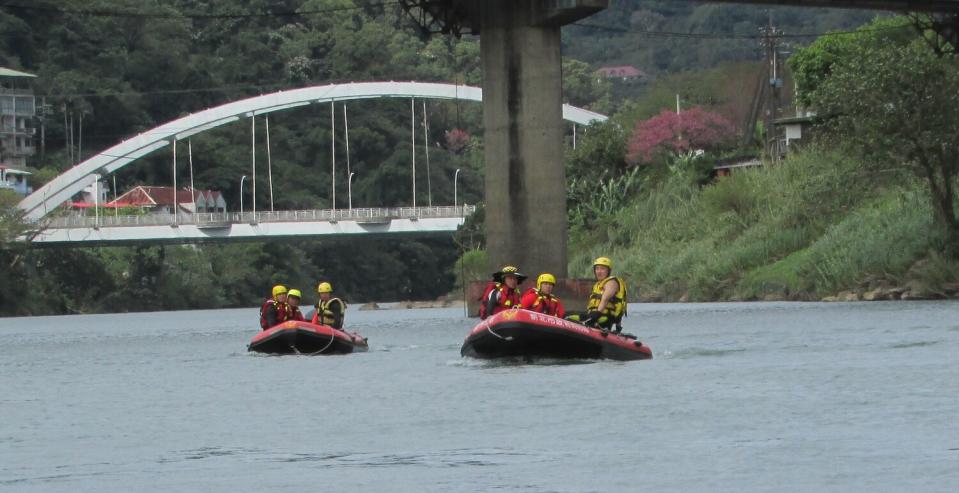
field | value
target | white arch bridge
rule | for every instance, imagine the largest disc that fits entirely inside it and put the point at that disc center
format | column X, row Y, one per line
column 46, row 200
column 210, row 227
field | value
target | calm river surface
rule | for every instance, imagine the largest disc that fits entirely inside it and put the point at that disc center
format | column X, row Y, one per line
column 739, row 397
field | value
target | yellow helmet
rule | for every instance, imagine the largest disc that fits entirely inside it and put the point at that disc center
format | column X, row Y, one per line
column 279, row 289
column 545, row 277
column 324, row 287
column 294, row 292
column 604, row 261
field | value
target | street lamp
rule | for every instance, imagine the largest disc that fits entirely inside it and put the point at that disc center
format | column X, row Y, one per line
column 349, row 190
column 455, row 176
column 241, row 193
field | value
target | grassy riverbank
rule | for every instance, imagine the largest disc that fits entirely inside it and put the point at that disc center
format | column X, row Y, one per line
column 820, row 224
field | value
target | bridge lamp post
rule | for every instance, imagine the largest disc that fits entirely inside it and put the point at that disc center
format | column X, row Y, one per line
column 349, row 190
column 241, row 193
column 455, row 176
column 96, row 201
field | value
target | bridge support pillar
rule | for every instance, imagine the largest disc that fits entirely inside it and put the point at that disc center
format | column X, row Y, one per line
column 522, row 115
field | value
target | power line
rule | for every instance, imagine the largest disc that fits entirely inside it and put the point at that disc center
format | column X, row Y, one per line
column 179, row 15
column 727, row 36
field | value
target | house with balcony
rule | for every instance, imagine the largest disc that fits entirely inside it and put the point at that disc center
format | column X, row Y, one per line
column 18, row 111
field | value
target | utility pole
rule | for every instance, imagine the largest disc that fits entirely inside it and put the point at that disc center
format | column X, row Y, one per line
column 69, row 134
column 771, row 40
column 43, row 129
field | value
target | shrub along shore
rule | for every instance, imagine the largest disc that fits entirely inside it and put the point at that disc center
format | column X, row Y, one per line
column 821, row 225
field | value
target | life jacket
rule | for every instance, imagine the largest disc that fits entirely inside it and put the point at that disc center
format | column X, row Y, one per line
column 490, row 286
column 281, row 312
column 542, row 303
column 616, row 306
column 324, row 306
column 508, row 298
column 294, row 313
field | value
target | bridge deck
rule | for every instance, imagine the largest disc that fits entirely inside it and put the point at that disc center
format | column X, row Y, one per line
column 942, row 6
column 233, row 226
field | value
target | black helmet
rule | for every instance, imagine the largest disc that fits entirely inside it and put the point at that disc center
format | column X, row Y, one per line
column 510, row 270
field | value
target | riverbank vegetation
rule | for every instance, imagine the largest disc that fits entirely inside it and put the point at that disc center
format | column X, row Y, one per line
column 149, row 278
column 817, row 224
column 867, row 213
column 123, row 67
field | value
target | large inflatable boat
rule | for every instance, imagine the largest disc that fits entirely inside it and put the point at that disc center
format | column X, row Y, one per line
column 296, row 337
column 522, row 333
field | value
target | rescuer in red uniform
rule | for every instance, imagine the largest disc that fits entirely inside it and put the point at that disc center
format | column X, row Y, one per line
column 293, row 305
column 540, row 299
column 274, row 310
column 502, row 293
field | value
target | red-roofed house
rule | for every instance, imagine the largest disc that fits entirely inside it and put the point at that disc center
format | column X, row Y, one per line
column 161, row 200
column 625, row 72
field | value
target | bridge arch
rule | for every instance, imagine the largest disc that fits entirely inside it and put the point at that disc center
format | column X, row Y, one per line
column 44, row 200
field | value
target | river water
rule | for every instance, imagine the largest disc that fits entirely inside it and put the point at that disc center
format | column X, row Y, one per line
column 739, row 397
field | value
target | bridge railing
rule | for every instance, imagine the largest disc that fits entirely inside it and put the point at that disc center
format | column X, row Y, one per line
column 226, row 218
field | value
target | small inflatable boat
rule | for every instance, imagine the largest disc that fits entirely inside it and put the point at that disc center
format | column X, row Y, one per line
column 296, row 337
column 522, row 333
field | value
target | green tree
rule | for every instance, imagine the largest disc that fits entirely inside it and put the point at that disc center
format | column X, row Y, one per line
column 13, row 274
column 814, row 64
column 582, row 86
column 598, row 177
column 897, row 103
column 11, row 219
column 600, row 151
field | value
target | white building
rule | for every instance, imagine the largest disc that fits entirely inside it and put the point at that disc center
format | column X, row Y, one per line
column 14, row 179
column 18, row 109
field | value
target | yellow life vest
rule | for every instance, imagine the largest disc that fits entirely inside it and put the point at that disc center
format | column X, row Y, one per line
column 615, row 306
column 326, row 315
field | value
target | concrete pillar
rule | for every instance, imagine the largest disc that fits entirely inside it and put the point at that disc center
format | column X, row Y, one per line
column 523, row 120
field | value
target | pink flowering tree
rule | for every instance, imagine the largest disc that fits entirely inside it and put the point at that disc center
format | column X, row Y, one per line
column 669, row 133
column 457, row 140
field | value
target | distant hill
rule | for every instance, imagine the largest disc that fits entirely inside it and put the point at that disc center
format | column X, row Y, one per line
column 665, row 36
